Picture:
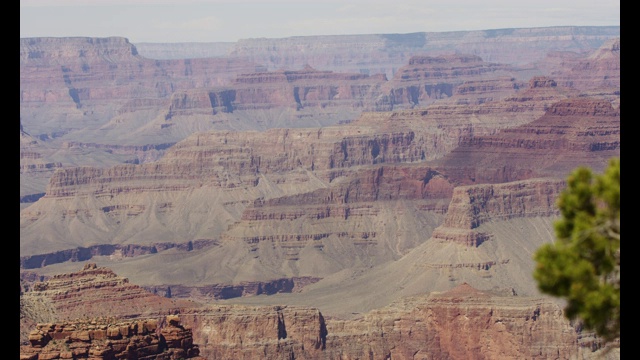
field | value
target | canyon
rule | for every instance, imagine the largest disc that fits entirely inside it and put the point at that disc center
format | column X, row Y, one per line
column 374, row 201
column 492, row 325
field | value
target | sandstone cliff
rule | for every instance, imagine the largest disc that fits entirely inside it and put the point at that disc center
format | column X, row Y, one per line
column 460, row 323
column 474, row 205
column 109, row 338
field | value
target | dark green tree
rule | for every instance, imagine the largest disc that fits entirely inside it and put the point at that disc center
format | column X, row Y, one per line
column 583, row 264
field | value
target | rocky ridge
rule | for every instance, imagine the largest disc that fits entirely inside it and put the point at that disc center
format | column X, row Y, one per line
column 582, row 131
column 598, row 72
column 97, row 291
column 473, row 205
column 297, row 89
column 385, row 53
column 493, row 325
column 312, row 195
column 238, row 168
column 99, row 101
column 110, row 338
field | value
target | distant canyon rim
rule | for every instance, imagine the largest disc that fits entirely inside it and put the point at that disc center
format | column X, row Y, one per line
column 325, row 197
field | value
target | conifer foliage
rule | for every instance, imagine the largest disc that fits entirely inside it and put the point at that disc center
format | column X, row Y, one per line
column 583, row 264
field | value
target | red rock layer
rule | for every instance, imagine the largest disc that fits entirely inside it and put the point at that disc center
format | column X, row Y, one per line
column 108, row 338
column 461, row 323
column 572, row 133
column 98, row 292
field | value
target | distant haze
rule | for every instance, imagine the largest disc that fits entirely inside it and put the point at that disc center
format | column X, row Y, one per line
column 229, row 21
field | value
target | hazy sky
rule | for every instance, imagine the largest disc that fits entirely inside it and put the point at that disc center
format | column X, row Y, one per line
column 224, row 20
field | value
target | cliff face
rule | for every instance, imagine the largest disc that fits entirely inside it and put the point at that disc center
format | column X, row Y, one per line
column 237, row 168
column 426, row 79
column 108, row 338
column 299, row 89
column 98, row 69
column 68, row 83
column 583, row 130
column 474, row 205
column 460, row 323
column 599, row 71
column 463, row 323
column 386, row 53
column 101, row 102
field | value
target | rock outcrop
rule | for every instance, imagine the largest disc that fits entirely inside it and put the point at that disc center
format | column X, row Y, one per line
column 474, row 205
column 426, row 79
column 462, row 322
column 109, row 338
column 97, row 291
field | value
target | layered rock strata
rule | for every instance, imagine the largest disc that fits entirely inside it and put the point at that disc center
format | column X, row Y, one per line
column 335, row 186
column 230, row 161
column 64, row 96
column 474, row 205
column 460, row 323
column 226, row 291
column 599, row 71
column 296, row 89
column 463, row 323
column 426, row 79
column 574, row 132
column 113, row 251
column 75, row 70
column 99, row 292
column 350, row 212
column 385, row 53
column 108, row 338
column 100, row 89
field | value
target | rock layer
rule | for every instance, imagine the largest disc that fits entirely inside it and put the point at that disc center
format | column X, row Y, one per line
column 460, row 323
column 105, row 338
column 474, row 205
column 574, row 132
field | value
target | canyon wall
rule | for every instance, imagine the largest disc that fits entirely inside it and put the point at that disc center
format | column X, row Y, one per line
column 385, row 53
column 460, row 323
